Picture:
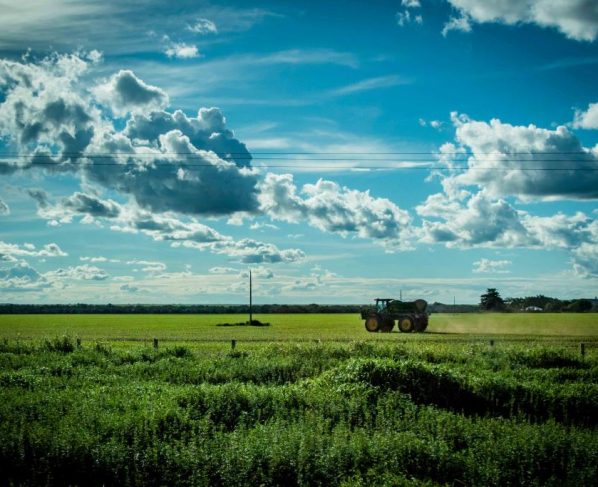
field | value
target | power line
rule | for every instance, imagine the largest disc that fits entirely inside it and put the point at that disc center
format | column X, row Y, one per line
column 305, row 166
column 308, row 153
column 344, row 159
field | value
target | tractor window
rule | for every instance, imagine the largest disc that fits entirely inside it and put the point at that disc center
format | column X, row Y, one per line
column 380, row 305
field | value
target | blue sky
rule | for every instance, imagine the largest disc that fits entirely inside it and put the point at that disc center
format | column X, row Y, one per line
column 142, row 148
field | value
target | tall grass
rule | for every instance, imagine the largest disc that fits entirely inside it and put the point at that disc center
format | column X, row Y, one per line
column 354, row 414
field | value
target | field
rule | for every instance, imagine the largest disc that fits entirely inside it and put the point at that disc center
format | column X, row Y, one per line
column 310, row 400
column 286, row 327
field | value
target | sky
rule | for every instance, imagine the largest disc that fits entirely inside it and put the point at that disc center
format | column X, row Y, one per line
column 155, row 152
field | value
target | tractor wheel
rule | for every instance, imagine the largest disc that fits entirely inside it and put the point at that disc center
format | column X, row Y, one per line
column 406, row 324
column 372, row 323
column 387, row 325
column 421, row 323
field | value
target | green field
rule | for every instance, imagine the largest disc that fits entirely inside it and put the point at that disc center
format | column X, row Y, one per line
column 310, row 400
column 293, row 327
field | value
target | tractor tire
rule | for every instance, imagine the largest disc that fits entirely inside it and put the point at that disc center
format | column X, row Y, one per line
column 387, row 325
column 406, row 324
column 372, row 323
column 421, row 323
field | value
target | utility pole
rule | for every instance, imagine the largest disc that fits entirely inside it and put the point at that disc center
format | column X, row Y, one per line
column 250, row 301
column 400, row 295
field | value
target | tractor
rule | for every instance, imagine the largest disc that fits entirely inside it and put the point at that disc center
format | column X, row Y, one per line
column 411, row 316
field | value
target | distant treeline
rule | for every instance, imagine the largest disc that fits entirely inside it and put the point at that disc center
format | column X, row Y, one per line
column 531, row 303
column 551, row 305
column 81, row 308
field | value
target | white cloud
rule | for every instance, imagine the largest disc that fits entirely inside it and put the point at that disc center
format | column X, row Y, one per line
column 524, row 161
column 370, row 84
column 223, row 270
column 151, row 266
column 203, row 26
column 182, row 50
column 9, row 251
column 576, row 19
column 488, row 266
column 478, row 220
column 407, row 16
column 128, row 288
column 435, row 124
column 124, row 92
column 457, row 23
column 259, row 272
column 100, row 258
column 4, row 208
column 587, row 119
column 332, row 208
column 79, row 273
column 261, row 226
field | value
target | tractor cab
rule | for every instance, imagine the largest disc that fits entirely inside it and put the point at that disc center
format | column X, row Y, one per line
column 382, row 304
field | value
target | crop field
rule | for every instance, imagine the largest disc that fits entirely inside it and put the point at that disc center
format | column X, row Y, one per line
column 309, row 400
column 291, row 327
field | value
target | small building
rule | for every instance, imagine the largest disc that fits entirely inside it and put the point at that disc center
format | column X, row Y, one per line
column 533, row 309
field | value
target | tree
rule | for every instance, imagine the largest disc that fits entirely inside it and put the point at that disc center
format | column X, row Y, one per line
column 491, row 300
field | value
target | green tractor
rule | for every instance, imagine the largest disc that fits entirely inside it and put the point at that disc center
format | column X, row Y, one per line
column 411, row 316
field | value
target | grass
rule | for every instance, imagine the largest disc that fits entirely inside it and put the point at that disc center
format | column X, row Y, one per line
column 292, row 327
column 309, row 400
column 415, row 412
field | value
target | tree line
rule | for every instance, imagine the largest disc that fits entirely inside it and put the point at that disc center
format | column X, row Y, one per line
column 81, row 308
column 492, row 301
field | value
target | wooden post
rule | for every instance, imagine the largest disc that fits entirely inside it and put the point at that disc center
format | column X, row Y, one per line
column 250, row 301
column 78, row 342
column 155, row 343
column 582, row 349
column 233, row 344
column 491, row 343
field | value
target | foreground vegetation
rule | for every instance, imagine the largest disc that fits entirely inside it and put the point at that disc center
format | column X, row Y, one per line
column 376, row 413
column 284, row 327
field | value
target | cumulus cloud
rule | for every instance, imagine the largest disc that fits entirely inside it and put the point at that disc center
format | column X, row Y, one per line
column 488, row 266
column 166, row 161
column 457, row 23
column 9, row 252
column 4, row 208
column 128, row 288
column 478, row 220
column 407, row 16
column 172, row 167
column 249, row 251
column 19, row 276
column 318, row 278
column 79, row 273
column 332, row 208
column 151, row 266
column 181, row 50
column 223, row 270
column 260, row 272
column 124, row 92
column 585, row 259
column 100, row 258
column 576, row 19
column 42, row 108
column 203, row 26
column 524, row 161
column 587, row 119
column 90, row 207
